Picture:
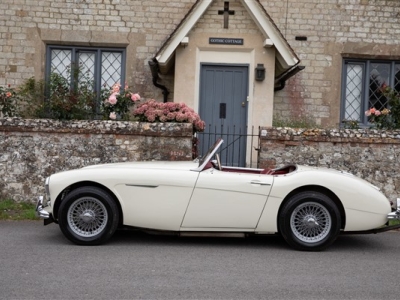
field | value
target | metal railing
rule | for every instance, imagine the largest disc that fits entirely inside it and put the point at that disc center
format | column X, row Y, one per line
column 240, row 147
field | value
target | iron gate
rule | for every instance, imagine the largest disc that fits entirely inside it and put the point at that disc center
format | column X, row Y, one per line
column 237, row 141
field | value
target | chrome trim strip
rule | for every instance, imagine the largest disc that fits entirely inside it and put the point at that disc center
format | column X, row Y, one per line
column 259, row 182
column 142, row 185
column 46, row 186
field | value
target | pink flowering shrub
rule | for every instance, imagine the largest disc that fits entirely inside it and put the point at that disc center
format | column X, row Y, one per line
column 387, row 118
column 116, row 102
column 153, row 111
column 378, row 118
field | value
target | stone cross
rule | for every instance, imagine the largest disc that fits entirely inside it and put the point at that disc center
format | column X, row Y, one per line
column 226, row 12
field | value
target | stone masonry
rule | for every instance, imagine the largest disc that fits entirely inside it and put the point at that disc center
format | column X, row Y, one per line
column 334, row 29
column 142, row 26
column 35, row 149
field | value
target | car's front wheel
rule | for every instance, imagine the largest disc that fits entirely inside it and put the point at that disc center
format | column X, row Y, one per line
column 309, row 221
column 88, row 216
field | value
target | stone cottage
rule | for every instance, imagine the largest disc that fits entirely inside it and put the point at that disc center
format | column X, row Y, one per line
column 238, row 62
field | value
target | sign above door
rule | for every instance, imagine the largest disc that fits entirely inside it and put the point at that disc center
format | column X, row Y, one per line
column 225, row 41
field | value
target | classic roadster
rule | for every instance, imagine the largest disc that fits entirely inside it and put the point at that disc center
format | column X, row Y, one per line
column 308, row 206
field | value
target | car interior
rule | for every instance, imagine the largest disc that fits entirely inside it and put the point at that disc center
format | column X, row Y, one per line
column 277, row 171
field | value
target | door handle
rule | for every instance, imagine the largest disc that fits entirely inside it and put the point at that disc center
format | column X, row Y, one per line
column 259, row 182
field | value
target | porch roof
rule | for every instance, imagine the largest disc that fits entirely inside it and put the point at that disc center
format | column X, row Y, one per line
column 285, row 59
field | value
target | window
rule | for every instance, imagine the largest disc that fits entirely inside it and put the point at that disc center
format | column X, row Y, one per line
column 362, row 81
column 105, row 66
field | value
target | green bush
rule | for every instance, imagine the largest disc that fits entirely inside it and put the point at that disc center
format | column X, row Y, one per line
column 32, row 93
column 8, row 101
column 59, row 98
column 67, row 103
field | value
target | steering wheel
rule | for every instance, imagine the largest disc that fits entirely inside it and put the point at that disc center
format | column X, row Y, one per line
column 219, row 166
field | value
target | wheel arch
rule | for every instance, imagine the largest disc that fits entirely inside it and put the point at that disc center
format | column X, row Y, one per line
column 321, row 189
column 76, row 185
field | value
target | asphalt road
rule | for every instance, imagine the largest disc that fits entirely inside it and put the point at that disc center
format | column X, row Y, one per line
column 37, row 262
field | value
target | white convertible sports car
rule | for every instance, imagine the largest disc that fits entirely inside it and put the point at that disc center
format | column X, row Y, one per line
column 308, row 206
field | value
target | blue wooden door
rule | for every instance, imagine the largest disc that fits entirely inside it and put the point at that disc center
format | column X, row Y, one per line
column 223, row 107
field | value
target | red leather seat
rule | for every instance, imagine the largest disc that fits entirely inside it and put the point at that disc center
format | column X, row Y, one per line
column 267, row 171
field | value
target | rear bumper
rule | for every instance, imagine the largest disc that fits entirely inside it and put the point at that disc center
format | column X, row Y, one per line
column 376, row 230
column 395, row 214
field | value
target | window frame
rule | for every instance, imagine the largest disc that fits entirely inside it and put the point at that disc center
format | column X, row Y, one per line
column 97, row 73
column 366, row 64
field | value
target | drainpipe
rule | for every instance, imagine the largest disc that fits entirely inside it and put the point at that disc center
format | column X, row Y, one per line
column 154, row 72
column 285, row 76
column 281, row 86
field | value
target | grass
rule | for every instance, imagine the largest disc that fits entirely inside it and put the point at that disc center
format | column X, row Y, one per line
column 297, row 122
column 12, row 210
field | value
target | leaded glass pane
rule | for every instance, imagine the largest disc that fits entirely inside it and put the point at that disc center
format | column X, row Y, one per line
column 378, row 78
column 111, row 68
column 87, row 66
column 397, row 77
column 61, row 62
column 353, row 104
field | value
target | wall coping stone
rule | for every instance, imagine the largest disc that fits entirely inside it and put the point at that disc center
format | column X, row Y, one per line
column 331, row 135
column 96, row 127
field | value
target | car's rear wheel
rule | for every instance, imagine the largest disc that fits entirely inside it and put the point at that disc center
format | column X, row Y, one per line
column 88, row 216
column 309, row 221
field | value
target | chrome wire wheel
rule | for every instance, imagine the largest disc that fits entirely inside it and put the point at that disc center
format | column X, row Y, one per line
column 87, row 217
column 311, row 222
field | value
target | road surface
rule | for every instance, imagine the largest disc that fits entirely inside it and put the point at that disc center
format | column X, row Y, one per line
column 37, row 262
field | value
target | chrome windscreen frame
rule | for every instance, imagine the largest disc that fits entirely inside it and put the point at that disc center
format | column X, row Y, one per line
column 47, row 199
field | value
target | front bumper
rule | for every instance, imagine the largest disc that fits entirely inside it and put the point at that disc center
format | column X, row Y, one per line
column 42, row 213
column 395, row 214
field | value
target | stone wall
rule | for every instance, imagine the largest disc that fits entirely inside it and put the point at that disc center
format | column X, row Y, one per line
column 31, row 150
column 370, row 154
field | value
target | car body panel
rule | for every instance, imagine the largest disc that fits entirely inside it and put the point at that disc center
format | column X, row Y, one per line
column 227, row 200
column 147, row 192
column 365, row 206
column 157, row 206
